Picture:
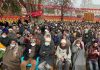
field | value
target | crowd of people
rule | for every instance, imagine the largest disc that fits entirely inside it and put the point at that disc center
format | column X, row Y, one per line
column 59, row 45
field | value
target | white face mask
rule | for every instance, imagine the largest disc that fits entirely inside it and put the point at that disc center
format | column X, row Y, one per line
column 47, row 43
column 55, row 24
column 30, row 50
column 4, row 36
column 12, row 45
column 33, row 44
column 86, row 30
column 67, row 34
column 78, row 45
column 96, row 44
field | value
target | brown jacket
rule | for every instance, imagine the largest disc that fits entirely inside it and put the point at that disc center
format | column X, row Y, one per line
column 10, row 60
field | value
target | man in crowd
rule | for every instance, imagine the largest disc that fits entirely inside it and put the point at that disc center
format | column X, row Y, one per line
column 4, row 39
column 11, row 58
column 46, row 54
column 93, row 56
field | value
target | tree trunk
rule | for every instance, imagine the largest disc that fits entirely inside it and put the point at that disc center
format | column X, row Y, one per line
column 64, row 4
column 62, row 10
column 1, row 12
column 23, row 3
column 39, row 2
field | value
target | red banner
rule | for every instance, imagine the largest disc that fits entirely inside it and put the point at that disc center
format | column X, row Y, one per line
column 37, row 13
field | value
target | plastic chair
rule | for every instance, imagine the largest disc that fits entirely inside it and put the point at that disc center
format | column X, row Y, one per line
column 30, row 65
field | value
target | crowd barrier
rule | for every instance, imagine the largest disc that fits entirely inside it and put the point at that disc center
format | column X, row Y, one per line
column 58, row 18
column 11, row 19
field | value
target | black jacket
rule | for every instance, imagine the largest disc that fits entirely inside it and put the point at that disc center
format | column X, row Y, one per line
column 46, row 52
column 26, row 53
column 5, row 41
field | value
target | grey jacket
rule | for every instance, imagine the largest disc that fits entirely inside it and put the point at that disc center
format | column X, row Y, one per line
column 79, row 56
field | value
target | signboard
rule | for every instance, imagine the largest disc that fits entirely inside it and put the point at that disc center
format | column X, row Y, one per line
column 88, row 17
column 37, row 13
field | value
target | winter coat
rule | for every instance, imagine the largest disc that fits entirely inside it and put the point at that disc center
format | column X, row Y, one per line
column 87, row 37
column 63, row 53
column 10, row 60
column 29, row 52
column 91, row 55
column 5, row 41
column 46, row 53
column 56, row 39
column 79, row 58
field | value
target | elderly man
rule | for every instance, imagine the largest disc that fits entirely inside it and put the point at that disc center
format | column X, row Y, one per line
column 63, row 54
column 11, row 59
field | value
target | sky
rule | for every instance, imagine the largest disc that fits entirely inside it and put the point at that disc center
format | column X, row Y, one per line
column 77, row 3
column 96, row 2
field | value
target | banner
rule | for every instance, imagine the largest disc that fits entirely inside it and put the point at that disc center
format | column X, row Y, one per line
column 9, row 19
column 37, row 13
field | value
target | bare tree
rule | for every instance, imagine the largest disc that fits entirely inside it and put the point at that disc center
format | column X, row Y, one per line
column 10, row 6
column 63, row 4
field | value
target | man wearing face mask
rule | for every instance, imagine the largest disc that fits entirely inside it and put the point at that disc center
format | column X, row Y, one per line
column 29, row 55
column 11, row 59
column 4, row 39
column 12, row 33
column 46, row 54
column 87, row 36
column 79, row 58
